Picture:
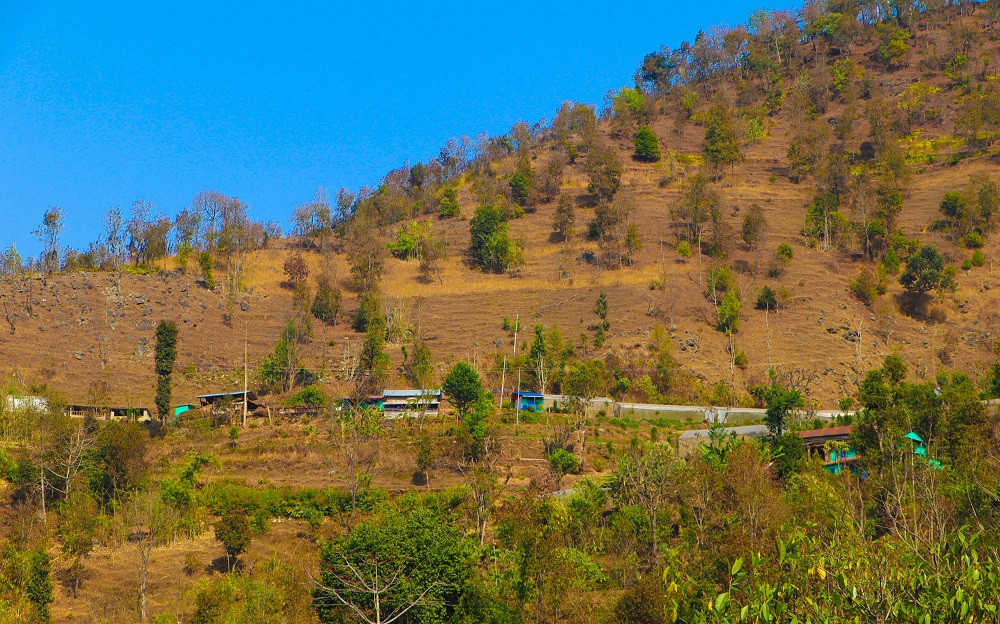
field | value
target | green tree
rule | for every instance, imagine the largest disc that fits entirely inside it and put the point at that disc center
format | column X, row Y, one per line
column 601, row 310
column 206, row 264
column 562, row 463
column 780, row 403
column 165, row 355
column 463, row 387
column 280, row 367
column 729, row 313
column 326, row 304
column 767, row 300
column 604, row 168
column 722, row 148
column 565, row 217
column 233, row 530
column 490, row 244
column 924, row 270
column 647, row 145
column 449, row 203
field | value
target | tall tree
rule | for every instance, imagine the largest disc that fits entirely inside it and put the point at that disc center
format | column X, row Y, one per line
column 48, row 234
column 166, row 354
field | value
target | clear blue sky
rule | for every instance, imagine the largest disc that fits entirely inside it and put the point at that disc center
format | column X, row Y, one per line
column 103, row 103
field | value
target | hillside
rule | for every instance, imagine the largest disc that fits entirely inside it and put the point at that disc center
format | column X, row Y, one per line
column 83, row 332
column 800, row 212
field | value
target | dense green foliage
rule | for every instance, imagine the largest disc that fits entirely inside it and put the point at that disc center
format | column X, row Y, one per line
column 491, row 246
column 463, row 387
column 165, row 355
column 647, row 145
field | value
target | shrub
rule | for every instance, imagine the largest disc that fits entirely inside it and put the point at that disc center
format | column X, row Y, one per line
column 684, row 249
column 296, row 270
column 449, row 204
column 326, row 304
column 973, row 240
column 562, row 463
column 310, row 396
column 978, row 259
column 740, row 359
column 785, row 252
column 924, row 270
column 767, row 300
column 967, row 265
column 520, row 187
column 729, row 313
column 491, row 246
column 867, row 285
column 891, row 262
column 647, row 145
column 205, row 262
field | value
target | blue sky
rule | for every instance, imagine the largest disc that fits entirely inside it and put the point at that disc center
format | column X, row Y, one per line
column 103, row 103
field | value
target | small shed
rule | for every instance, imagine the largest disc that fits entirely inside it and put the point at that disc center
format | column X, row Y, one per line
column 528, row 401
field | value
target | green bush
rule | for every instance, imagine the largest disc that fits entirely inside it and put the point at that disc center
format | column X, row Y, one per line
column 729, row 313
column 684, row 249
column 785, row 252
column 967, row 265
column 767, row 300
column 310, row 396
column 978, row 259
column 449, row 204
column 647, row 145
column 973, row 240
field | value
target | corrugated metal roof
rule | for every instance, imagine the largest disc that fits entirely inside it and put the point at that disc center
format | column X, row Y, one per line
column 404, row 394
column 221, row 394
column 827, row 432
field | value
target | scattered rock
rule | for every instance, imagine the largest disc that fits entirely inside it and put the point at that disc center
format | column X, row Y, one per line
column 78, row 355
column 852, row 336
column 245, row 306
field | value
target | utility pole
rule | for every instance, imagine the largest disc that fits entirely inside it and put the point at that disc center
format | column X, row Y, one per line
column 246, row 377
column 767, row 330
column 517, row 326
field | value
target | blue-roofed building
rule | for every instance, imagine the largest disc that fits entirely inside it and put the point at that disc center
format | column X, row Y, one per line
column 528, row 401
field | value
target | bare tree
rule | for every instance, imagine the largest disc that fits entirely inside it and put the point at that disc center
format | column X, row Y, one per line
column 486, row 489
column 366, row 584
column 360, row 432
column 151, row 523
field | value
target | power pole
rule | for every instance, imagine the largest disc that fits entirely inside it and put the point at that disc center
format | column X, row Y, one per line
column 517, row 326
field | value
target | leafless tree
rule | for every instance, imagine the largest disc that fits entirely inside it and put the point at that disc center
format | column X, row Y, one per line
column 365, row 585
column 360, row 432
column 152, row 523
